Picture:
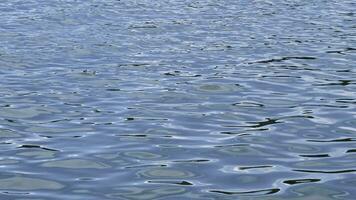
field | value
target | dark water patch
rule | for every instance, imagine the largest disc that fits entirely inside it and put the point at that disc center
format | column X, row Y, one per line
column 301, row 181
column 342, row 51
column 145, row 166
column 267, row 122
column 244, row 132
column 279, row 76
column 324, row 105
column 351, row 101
column 193, row 161
column 340, row 82
column 254, row 167
column 113, row 89
column 334, row 140
column 326, row 172
column 351, row 151
column 133, row 135
column 292, row 67
column 183, row 183
column 315, row 156
column 134, row 65
column 36, row 146
column 254, row 192
column 284, row 59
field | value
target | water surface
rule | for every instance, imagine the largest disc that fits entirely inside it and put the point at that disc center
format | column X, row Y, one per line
column 138, row 99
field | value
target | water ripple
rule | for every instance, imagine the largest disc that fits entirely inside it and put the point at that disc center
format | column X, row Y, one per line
column 142, row 99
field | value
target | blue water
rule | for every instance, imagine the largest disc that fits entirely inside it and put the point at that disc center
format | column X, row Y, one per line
column 177, row 99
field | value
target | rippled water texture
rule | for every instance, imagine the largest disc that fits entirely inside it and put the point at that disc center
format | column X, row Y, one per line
column 178, row 99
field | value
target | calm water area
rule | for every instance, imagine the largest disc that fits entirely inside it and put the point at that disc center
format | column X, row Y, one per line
column 177, row 99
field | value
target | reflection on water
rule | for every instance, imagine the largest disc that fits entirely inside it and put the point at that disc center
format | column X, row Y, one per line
column 177, row 99
column 22, row 183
